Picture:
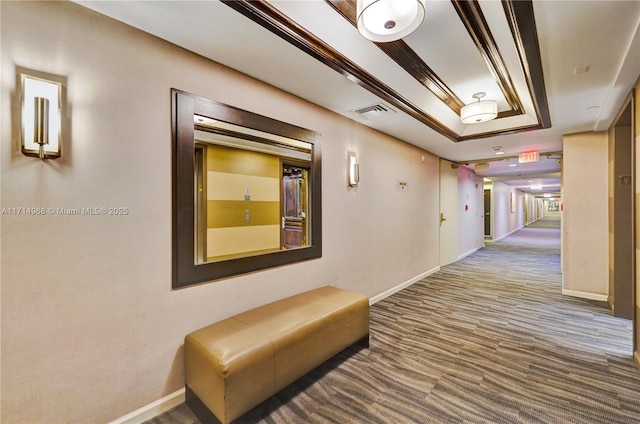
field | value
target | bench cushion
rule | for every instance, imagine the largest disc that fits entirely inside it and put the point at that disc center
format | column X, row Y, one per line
column 236, row 363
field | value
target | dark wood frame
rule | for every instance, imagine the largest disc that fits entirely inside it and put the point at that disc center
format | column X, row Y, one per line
column 185, row 271
column 521, row 20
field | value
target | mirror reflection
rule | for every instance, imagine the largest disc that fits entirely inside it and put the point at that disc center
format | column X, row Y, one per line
column 252, row 192
column 246, row 191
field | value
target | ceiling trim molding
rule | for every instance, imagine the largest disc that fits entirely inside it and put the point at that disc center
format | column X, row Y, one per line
column 504, row 158
column 407, row 58
column 522, row 24
column 507, row 131
column 473, row 19
column 273, row 20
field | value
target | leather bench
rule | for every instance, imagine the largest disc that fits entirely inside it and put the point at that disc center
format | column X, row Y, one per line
column 233, row 365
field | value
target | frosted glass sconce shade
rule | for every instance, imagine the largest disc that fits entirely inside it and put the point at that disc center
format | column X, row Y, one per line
column 41, row 117
column 353, row 170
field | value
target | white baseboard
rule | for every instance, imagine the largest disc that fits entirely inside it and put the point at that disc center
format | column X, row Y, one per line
column 585, row 295
column 401, row 286
column 508, row 234
column 176, row 398
column 153, row 409
column 470, row 252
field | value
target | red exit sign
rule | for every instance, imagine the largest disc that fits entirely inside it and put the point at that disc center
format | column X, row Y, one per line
column 526, row 157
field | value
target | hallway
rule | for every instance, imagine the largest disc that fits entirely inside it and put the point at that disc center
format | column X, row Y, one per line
column 489, row 339
column 546, row 222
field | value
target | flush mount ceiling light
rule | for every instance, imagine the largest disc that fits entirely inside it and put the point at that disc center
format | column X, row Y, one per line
column 388, row 20
column 480, row 111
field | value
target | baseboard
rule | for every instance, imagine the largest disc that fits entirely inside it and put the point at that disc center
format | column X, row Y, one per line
column 176, row 398
column 153, row 409
column 585, row 295
column 470, row 252
column 508, row 234
column 393, row 290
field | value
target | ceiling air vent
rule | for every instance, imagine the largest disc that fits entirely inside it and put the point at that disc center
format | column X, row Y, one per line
column 374, row 111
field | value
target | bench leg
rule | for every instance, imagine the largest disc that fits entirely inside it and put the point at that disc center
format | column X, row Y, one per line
column 363, row 343
column 199, row 408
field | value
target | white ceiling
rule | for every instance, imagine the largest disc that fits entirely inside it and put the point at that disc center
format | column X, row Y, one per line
column 602, row 37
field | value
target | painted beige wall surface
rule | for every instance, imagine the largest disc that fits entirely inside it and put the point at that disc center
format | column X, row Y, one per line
column 91, row 329
column 536, row 208
column 506, row 222
column 637, row 220
column 585, row 227
column 470, row 212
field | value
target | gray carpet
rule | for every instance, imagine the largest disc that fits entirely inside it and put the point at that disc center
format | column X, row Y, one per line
column 489, row 339
column 546, row 222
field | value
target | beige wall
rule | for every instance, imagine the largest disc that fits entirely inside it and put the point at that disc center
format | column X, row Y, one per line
column 504, row 221
column 637, row 223
column 470, row 212
column 534, row 208
column 585, row 246
column 91, row 329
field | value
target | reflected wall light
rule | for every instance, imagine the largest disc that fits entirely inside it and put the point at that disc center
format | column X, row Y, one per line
column 388, row 20
column 480, row 111
column 353, row 169
column 41, row 117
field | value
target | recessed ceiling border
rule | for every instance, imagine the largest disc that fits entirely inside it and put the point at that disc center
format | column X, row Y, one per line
column 474, row 21
column 520, row 19
column 407, row 58
column 275, row 21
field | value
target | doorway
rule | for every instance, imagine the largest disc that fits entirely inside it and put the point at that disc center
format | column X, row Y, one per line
column 621, row 266
column 448, row 212
column 294, row 206
column 487, row 212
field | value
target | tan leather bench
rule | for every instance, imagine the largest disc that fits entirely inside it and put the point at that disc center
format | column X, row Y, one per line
column 233, row 365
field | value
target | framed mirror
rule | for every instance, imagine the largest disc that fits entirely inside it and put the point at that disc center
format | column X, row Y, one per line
column 246, row 191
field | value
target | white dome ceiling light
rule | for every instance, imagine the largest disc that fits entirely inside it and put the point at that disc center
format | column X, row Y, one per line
column 480, row 111
column 388, row 20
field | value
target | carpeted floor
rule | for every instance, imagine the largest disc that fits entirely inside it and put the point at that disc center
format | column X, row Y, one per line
column 489, row 339
column 546, row 222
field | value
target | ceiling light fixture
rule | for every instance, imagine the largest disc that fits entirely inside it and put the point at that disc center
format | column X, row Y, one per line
column 480, row 111
column 388, row 20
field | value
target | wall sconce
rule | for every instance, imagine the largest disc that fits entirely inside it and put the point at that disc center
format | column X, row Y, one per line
column 353, row 170
column 480, row 111
column 388, row 20
column 41, row 117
